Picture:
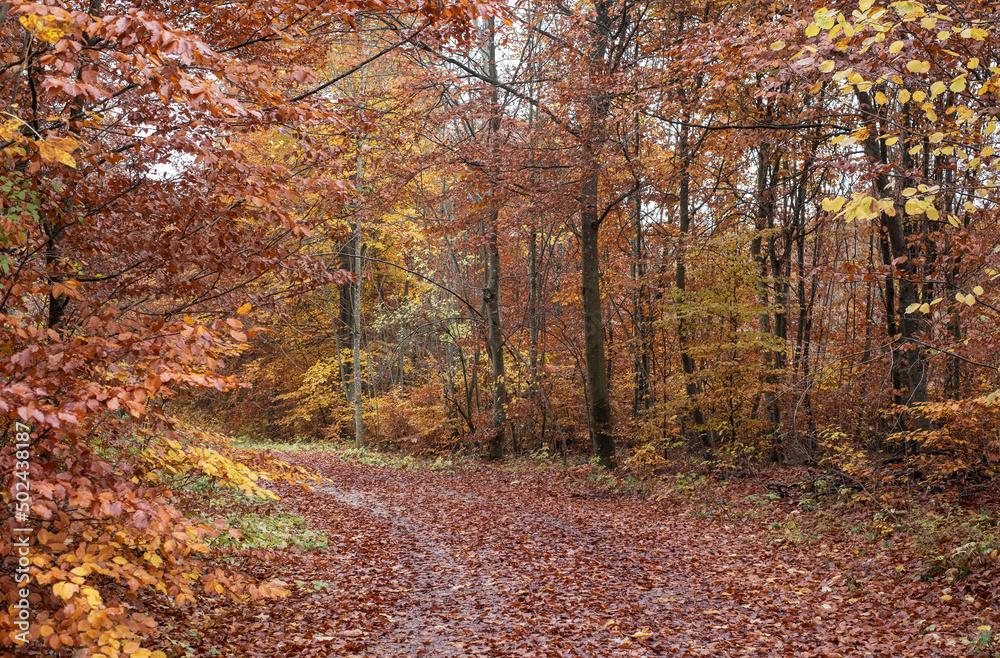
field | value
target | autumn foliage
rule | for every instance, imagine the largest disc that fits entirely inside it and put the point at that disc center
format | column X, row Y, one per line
column 737, row 234
column 790, row 220
column 132, row 224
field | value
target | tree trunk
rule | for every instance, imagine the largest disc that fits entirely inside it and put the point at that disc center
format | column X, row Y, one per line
column 533, row 325
column 494, row 341
column 680, row 280
column 346, row 312
column 909, row 353
column 599, row 402
column 359, row 427
column 641, row 317
column 491, row 294
column 593, row 323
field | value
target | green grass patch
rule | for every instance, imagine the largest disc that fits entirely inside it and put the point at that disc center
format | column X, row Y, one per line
column 272, row 530
column 256, row 523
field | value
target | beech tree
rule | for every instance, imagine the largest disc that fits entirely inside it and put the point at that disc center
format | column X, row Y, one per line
column 134, row 225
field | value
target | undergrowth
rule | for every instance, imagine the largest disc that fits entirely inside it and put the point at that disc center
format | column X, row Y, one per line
column 248, row 523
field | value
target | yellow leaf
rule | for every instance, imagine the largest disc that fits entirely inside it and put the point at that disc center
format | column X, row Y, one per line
column 932, row 213
column 834, row 205
column 936, row 138
column 928, row 22
column 188, row 320
column 919, row 96
column 880, row 98
column 46, row 28
column 937, row 88
column 64, row 590
column 826, row 66
column 918, row 66
column 54, row 152
column 244, row 309
column 970, row 300
column 812, row 30
column 912, row 307
column 958, row 85
column 973, row 63
column 891, row 141
column 978, row 290
column 777, row 45
column 909, row 191
column 93, row 596
column 987, row 152
column 925, row 308
column 904, row 96
column 896, row 46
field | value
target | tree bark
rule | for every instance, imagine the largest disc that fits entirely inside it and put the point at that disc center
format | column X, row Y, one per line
column 680, row 280
column 359, row 426
column 599, row 401
column 593, row 323
column 909, row 355
column 491, row 294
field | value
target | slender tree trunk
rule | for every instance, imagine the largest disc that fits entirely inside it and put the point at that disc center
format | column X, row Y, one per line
column 593, row 323
column 495, row 342
column 346, row 325
column 491, row 294
column 640, row 317
column 359, row 427
column 771, row 271
column 910, row 356
column 533, row 326
column 680, row 280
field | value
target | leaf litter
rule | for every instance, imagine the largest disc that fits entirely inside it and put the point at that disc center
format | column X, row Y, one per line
column 492, row 562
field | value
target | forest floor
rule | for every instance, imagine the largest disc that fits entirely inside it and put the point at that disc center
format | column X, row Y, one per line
column 519, row 560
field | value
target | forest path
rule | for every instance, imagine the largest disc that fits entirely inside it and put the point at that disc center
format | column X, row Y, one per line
column 495, row 562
